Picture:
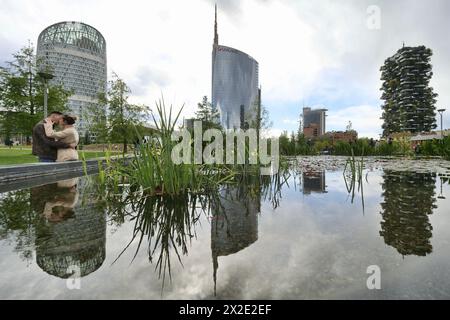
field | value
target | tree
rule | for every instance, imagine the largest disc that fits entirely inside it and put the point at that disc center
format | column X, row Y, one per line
column 284, row 143
column 208, row 114
column 265, row 122
column 22, row 94
column 123, row 117
column 96, row 119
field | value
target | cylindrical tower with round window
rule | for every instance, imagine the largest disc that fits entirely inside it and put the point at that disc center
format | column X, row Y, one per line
column 76, row 54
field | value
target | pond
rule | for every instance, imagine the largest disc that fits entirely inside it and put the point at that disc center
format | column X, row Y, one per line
column 302, row 235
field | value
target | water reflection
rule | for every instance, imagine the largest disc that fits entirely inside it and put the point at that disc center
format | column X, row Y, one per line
column 234, row 224
column 60, row 222
column 75, row 232
column 18, row 221
column 165, row 222
column 314, row 182
column 64, row 225
column 409, row 198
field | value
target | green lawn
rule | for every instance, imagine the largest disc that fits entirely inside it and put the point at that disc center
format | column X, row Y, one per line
column 17, row 156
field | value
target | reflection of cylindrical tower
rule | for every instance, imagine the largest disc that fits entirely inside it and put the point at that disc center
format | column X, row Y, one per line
column 409, row 198
column 79, row 240
column 76, row 54
column 234, row 85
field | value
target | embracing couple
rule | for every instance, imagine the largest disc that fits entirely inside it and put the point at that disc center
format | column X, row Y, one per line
column 50, row 145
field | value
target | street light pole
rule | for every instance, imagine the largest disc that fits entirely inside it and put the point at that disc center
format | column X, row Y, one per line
column 441, row 196
column 45, row 99
column 441, row 111
column 45, row 76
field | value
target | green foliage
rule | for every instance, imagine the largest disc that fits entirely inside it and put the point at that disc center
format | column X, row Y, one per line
column 353, row 176
column 207, row 114
column 408, row 70
column 435, row 148
column 122, row 118
column 342, row 148
column 321, row 145
column 22, row 94
column 97, row 122
column 16, row 156
column 299, row 145
column 286, row 145
column 153, row 169
column 264, row 120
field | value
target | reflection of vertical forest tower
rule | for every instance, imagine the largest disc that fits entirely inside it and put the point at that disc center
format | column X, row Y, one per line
column 79, row 240
column 409, row 198
column 409, row 101
column 234, row 224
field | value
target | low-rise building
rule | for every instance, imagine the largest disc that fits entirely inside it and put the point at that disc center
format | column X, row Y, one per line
column 345, row 136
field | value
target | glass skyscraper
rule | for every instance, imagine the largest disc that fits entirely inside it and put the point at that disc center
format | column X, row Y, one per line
column 234, row 85
column 76, row 54
column 315, row 120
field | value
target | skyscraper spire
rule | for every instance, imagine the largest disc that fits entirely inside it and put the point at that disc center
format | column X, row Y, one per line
column 216, row 36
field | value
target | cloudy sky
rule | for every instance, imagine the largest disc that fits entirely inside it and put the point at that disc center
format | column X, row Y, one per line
column 321, row 53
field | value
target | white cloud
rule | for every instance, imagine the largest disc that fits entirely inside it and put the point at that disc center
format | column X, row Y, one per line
column 291, row 121
column 365, row 120
column 272, row 132
column 316, row 52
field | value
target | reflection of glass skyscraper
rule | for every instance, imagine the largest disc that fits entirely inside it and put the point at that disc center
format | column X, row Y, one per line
column 76, row 53
column 409, row 198
column 75, row 234
column 314, row 181
column 234, row 84
column 234, row 225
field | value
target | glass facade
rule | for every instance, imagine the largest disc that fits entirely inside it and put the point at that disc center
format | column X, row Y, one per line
column 76, row 54
column 315, row 117
column 234, row 86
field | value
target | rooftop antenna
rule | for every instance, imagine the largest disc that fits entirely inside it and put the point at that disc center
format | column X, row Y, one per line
column 216, row 35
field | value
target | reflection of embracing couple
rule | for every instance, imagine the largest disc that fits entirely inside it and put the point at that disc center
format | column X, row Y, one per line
column 50, row 145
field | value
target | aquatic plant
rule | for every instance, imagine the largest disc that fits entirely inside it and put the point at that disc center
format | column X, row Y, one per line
column 153, row 168
column 353, row 176
column 167, row 223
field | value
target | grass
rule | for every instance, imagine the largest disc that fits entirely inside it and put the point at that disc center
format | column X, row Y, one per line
column 353, row 171
column 17, row 156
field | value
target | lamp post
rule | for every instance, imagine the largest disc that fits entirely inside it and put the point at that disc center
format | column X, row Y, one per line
column 441, row 196
column 45, row 76
column 441, row 111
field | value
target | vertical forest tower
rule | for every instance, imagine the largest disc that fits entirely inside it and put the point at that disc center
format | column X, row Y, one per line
column 409, row 101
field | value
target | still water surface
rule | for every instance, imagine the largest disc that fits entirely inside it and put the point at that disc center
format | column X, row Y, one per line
column 300, row 237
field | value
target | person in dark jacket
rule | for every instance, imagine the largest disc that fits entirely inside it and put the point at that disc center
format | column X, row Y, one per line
column 46, row 148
